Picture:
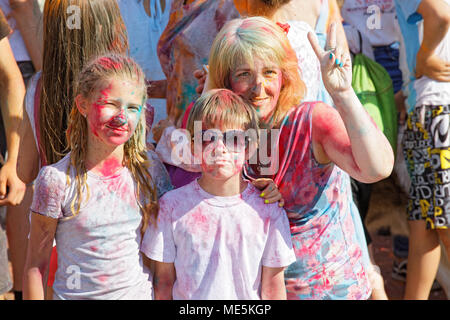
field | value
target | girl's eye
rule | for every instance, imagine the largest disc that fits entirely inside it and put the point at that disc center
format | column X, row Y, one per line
column 134, row 108
column 271, row 72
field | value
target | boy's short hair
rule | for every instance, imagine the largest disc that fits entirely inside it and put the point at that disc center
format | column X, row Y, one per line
column 223, row 108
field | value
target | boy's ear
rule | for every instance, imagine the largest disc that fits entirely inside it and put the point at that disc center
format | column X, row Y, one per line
column 81, row 104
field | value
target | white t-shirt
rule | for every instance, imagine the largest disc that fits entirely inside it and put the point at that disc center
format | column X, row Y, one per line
column 422, row 91
column 15, row 39
column 98, row 249
column 429, row 91
column 376, row 19
column 218, row 244
column 307, row 59
column 143, row 36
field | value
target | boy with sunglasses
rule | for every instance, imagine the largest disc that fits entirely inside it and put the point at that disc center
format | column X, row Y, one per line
column 215, row 238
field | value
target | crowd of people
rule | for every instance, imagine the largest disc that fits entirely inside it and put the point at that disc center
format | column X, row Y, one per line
column 217, row 149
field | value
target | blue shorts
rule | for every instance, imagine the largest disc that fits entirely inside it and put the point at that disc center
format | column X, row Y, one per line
column 388, row 57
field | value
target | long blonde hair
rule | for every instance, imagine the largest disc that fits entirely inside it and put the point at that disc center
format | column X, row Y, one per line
column 71, row 38
column 241, row 41
column 90, row 80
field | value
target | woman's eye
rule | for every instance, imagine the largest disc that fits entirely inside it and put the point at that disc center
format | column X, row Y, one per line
column 243, row 74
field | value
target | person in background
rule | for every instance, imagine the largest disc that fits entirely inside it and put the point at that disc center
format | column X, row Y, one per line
column 145, row 21
column 24, row 17
column 12, row 189
column 49, row 95
column 376, row 23
column 425, row 30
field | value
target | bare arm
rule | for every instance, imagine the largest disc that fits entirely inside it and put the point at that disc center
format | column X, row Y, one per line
column 38, row 255
column 12, row 92
column 28, row 159
column 163, row 280
column 272, row 284
column 436, row 22
column 347, row 135
column 29, row 21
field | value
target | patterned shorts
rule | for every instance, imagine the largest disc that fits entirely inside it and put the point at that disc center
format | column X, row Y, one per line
column 426, row 147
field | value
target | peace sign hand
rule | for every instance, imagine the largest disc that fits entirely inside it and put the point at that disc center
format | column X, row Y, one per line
column 335, row 64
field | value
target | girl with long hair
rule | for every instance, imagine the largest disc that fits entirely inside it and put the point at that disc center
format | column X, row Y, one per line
column 98, row 200
column 73, row 32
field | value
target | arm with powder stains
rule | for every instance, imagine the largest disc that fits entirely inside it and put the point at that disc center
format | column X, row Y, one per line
column 272, row 284
column 347, row 135
column 163, row 280
column 40, row 245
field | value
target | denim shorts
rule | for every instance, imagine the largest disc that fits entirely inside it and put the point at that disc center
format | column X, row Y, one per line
column 388, row 57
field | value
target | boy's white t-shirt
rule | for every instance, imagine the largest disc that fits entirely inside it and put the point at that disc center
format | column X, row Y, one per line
column 218, row 244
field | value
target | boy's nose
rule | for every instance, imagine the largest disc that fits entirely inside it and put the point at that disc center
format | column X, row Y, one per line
column 219, row 146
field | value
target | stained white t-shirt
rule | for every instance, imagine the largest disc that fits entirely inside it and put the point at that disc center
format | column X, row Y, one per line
column 98, row 249
column 218, row 244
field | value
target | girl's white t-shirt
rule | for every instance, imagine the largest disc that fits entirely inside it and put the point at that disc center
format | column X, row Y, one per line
column 218, row 244
column 98, row 249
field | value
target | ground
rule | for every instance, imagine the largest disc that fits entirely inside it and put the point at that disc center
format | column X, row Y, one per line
column 387, row 217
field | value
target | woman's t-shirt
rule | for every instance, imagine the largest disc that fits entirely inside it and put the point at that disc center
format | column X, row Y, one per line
column 98, row 249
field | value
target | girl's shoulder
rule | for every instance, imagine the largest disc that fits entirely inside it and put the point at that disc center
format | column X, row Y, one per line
column 55, row 173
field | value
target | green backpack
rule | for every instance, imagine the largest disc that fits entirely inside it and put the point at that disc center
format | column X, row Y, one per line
column 373, row 86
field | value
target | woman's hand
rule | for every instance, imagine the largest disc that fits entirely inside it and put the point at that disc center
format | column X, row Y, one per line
column 270, row 191
column 335, row 64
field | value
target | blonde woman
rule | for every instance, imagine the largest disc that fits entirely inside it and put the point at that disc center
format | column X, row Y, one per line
column 316, row 145
column 98, row 200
